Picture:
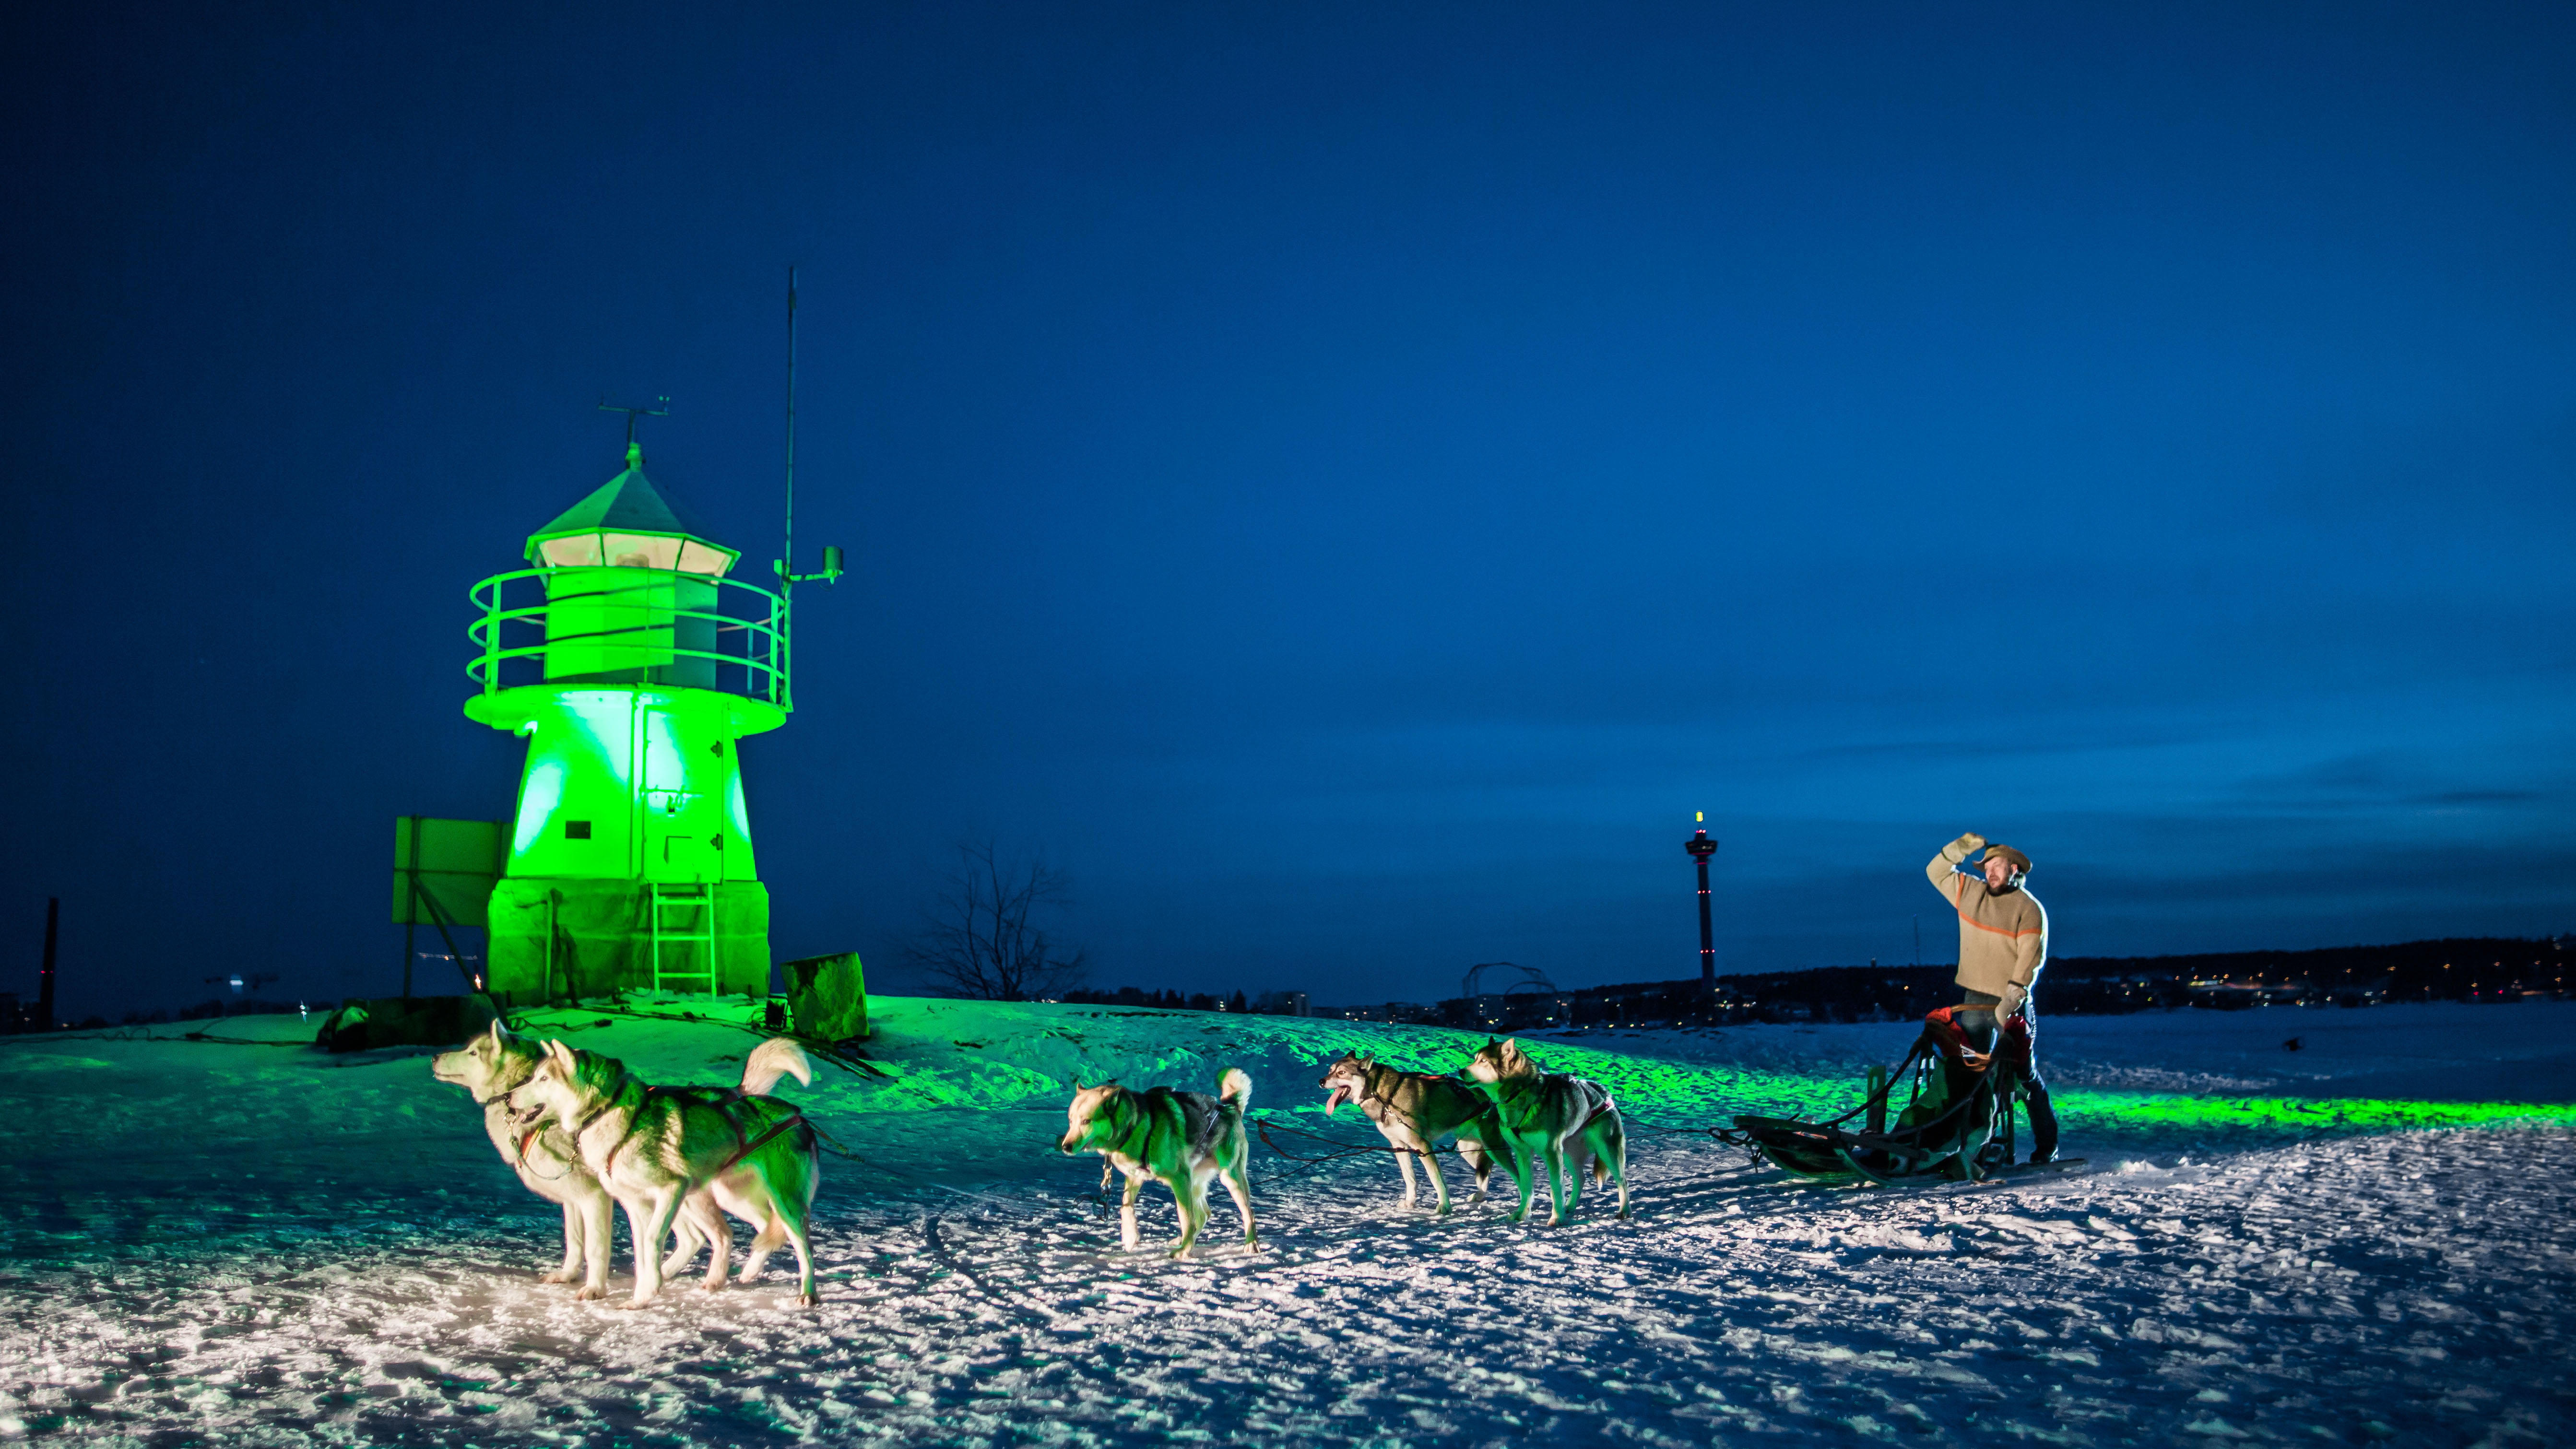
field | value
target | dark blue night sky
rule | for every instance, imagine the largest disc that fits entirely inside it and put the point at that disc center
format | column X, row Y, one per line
column 1345, row 481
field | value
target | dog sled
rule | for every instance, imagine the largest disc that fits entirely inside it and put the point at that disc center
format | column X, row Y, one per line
column 1956, row 1124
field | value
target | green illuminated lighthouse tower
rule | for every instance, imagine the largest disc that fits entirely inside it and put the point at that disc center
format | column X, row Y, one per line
column 634, row 668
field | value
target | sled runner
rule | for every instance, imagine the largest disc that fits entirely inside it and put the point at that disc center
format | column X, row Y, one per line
column 1957, row 1123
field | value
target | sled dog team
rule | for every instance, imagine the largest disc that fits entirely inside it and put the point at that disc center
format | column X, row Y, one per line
column 583, row 1133
column 1510, row 1113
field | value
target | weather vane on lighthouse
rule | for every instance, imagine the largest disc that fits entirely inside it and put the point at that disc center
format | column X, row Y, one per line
column 663, row 410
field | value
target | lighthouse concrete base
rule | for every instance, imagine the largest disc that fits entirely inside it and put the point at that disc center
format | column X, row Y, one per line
column 560, row 939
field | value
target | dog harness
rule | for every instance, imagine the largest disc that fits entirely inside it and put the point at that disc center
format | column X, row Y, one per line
column 1377, row 1070
column 533, row 1133
column 1368, row 1089
column 718, row 1100
column 1369, row 1078
column 529, row 1138
column 1151, row 1114
column 1513, row 1089
column 1143, row 1132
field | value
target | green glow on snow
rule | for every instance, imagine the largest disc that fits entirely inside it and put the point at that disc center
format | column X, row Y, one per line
column 2298, row 1116
column 1687, row 1094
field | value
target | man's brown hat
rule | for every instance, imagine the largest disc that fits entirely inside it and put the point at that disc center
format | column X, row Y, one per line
column 2005, row 852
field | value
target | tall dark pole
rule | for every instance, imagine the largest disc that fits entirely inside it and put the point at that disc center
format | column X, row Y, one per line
column 1701, row 848
column 787, row 563
column 411, row 903
column 45, row 974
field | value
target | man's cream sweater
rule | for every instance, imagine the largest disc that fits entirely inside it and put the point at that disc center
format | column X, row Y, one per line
column 2003, row 935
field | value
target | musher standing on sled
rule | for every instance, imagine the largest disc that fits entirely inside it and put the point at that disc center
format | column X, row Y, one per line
column 2003, row 941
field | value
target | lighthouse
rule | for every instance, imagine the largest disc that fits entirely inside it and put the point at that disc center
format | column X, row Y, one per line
column 634, row 667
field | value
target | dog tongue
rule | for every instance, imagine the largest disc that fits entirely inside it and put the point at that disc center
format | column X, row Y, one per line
column 1338, row 1097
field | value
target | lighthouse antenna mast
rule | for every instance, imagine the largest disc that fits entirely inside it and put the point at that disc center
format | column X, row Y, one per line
column 785, row 565
column 787, row 553
column 788, row 578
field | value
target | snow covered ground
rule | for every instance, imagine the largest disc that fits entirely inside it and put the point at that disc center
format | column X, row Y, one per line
column 220, row 1241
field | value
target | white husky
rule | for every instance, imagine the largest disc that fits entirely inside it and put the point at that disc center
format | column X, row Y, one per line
column 658, row 1150
column 489, row 1068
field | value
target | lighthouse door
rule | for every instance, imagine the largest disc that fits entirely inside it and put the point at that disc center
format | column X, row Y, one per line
column 680, row 798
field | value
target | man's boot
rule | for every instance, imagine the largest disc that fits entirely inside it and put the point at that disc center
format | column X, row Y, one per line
column 2043, row 1119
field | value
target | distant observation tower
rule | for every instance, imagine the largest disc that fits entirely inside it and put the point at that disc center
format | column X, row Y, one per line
column 1701, row 848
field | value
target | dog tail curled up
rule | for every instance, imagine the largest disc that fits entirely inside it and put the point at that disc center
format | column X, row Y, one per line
column 772, row 1059
column 1233, row 1086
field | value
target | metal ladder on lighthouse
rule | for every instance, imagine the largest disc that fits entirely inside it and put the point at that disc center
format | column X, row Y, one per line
column 696, row 903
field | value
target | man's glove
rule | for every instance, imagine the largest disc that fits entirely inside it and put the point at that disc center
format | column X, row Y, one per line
column 2010, row 1007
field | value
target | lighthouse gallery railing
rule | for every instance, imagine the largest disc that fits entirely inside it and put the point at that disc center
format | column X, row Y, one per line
column 747, row 625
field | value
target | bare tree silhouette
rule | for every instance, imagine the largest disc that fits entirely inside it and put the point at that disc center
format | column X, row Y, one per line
column 979, row 937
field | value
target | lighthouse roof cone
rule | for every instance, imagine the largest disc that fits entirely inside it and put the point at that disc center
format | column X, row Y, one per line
column 629, row 521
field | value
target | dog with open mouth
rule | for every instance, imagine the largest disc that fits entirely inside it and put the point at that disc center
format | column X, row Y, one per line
column 1414, row 1110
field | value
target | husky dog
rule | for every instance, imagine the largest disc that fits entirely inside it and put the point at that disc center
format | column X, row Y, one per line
column 656, row 1147
column 489, row 1068
column 1546, row 1111
column 1180, row 1139
column 1414, row 1110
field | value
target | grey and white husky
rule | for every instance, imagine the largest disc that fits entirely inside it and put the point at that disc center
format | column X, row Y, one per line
column 1548, row 1112
column 1180, row 1139
column 1414, row 1110
column 489, row 1068
column 654, row 1148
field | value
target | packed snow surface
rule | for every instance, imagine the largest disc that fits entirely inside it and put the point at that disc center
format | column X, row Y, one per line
column 239, row 1240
